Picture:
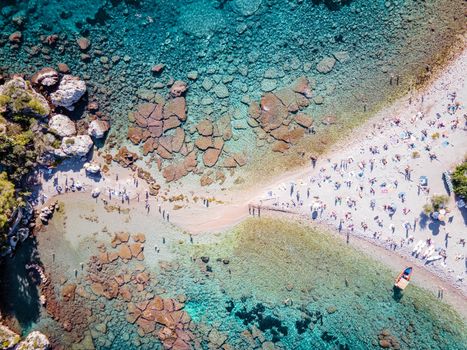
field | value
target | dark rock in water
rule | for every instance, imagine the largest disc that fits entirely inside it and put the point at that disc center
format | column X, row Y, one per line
column 205, row 259
column 226, row 261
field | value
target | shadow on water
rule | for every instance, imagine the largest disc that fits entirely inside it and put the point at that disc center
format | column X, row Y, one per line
column 397, row 294
column 19, row 296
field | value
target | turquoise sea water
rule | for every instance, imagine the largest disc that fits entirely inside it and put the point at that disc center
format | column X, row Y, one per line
column 268, row 285
column 241, row 45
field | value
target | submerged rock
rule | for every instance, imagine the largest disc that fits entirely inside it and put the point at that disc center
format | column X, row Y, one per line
column 246, row 7
column 46, row 76
column 70, row 90
column 326, row 65
column 62, row 125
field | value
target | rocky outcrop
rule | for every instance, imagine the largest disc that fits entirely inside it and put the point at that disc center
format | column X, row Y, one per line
column 34, row 341
column 8, row 338
column 76, row 146
column 62, row 126
column 18, row 97
column 98, row 128
column 70, row 90
column 46, row 76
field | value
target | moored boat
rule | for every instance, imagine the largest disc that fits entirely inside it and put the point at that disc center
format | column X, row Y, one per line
column 403, row 278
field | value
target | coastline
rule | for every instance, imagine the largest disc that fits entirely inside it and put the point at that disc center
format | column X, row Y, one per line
column 200, row 220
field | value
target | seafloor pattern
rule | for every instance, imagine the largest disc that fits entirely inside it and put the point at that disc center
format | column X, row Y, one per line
column 267, row 285
column 358, row 54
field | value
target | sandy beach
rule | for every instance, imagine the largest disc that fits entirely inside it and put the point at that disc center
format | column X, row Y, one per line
column 366, row 187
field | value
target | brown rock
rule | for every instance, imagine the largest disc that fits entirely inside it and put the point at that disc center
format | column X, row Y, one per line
column 290, row 136
column 46, row 76
column 385, row 343
column 205, row 127
column 240, row 158
column 146, row 326
column 229, row 162
column 163, row 153
column 112, row 256
column 149, row 146
column 330, row 120
column 203, row 142
column 125, row 293
column 273, row 112
column 205, row 180
column 178, row 88
column 175, row 107
column 156, row 128
column 254, row 110
column 15, row 37
column 111, row 289
column 166, row 142
column 124, row 252
column 302, row 86
column 124, row 157
column 68, row 292
column 171, row 123
column 136, row 249
column 158, row 68
column 135, row 135
column 191, row 162
column 97, row 289
column 146, row 109
column 178, row 139
column 280, row 146
column 211, row 156
column 225, row 127
column 218, row 143
column 304, row 120
column 83, row 43
column 139, row 237
column 63, row 68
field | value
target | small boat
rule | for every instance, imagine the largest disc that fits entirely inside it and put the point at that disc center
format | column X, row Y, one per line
column 403, row 279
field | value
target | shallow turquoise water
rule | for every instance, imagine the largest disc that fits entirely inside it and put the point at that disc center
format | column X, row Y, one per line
column 235, row 43
column 245, row 45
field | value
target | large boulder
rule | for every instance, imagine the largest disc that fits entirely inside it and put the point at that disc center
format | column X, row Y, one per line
column 62, row 125
column 34, row 341
column 98, row 128
column 18, row 97
column 70, row 90
column 76, row 145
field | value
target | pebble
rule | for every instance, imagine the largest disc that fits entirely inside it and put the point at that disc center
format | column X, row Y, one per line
column 221, row 91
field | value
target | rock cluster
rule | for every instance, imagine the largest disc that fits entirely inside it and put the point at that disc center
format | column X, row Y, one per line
column 18, row 97
column 8, row 338
column 47, row 212
column 34, row 341
column 70, row 90
column 387, row 340
column 62, row 125
column 277, row 117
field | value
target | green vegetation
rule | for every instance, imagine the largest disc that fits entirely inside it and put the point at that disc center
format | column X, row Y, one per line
column 459, row 179
column 8, row 202
column 37, row 107
column 437, row 202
